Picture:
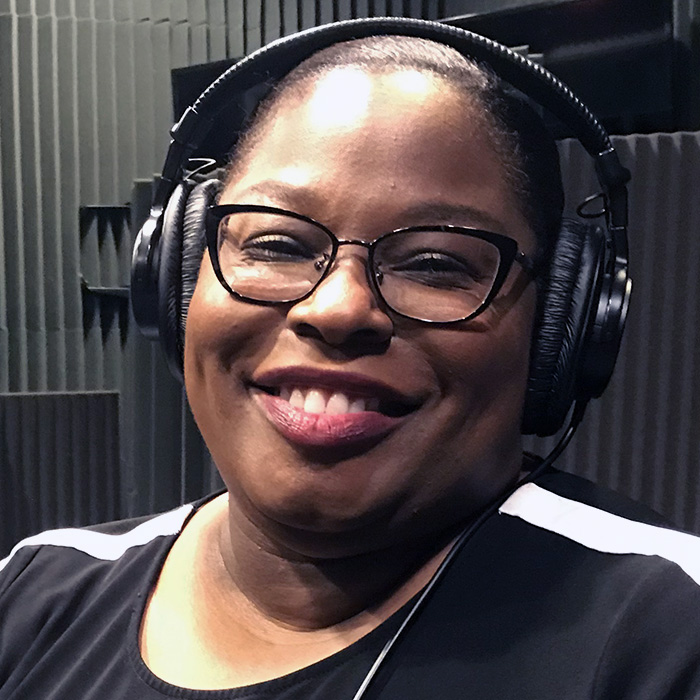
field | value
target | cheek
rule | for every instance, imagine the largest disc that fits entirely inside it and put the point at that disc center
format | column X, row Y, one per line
column 222, row 334
column 220, row 326
column 484, row 377
column 484, row 370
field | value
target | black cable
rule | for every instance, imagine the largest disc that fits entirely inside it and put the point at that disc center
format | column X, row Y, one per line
column 462, row 539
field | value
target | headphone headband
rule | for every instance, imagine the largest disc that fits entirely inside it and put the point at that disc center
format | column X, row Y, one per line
column 272, row 62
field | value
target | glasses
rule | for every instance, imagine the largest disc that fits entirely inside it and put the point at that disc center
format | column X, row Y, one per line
column 435, row 274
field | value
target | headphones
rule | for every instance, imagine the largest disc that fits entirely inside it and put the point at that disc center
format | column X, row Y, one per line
column 585, row 293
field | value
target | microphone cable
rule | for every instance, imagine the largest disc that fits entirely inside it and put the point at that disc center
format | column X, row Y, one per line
column 466, row 534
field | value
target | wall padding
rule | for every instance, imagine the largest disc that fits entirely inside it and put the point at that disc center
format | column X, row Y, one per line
column 60, row 461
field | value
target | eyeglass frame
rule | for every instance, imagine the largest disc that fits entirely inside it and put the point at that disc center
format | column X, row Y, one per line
column 507, row 248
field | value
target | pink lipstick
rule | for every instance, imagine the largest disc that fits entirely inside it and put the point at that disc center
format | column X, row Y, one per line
column 317, row 408
column 323, row 429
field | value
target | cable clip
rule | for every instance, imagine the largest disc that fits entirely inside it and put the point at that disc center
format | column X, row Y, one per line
column 582, row 211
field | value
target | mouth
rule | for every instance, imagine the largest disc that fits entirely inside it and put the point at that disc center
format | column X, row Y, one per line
column 330, row 409
column 332, row 402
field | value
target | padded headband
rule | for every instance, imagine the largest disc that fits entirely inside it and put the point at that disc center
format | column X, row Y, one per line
column 270, row 63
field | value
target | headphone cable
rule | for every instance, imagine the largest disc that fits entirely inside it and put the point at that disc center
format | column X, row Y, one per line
column 466, row 534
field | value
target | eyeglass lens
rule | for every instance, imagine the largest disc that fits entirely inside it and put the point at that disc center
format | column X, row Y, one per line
column 437, row 275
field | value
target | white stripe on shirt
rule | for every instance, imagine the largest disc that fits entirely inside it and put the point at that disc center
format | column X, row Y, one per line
column 602, row 531
column 101, row 545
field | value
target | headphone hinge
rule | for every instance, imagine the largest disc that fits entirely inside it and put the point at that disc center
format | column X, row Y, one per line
column 185, row 127
column 610, row 170
column 192, row 127
column 620, row 246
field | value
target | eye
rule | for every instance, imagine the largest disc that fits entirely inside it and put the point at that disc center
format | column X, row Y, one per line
column 438, row 269
column 277, row 247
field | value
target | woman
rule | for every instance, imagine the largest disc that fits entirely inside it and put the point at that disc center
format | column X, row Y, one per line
column 362, row 398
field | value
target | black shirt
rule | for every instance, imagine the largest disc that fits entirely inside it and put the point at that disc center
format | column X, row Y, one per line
column 568, row 592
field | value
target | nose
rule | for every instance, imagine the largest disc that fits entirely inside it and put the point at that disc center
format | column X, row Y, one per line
column 343, row 310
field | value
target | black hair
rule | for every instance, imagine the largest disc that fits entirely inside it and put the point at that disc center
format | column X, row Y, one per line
column 525, row 147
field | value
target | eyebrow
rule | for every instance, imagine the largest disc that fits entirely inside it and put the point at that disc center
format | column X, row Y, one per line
column 451, row 213
column 283, row 191
column 431, row 212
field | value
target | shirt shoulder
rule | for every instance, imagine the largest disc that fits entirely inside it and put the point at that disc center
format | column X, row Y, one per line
column 70, row 563
column 63, row 589
column 105, row 542
column 603, row 521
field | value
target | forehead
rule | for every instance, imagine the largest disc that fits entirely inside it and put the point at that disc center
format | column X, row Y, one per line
column 352, row 97
column 351, row 140
column 346, row 94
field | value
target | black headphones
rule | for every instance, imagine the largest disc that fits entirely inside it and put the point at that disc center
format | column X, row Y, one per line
column 585, row 293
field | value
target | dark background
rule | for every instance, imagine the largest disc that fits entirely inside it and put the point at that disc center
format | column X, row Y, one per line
column 92, row 427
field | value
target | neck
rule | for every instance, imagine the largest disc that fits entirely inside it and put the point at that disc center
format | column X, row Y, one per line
column 309, row 593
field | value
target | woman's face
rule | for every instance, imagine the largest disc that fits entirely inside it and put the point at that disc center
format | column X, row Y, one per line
column 435, row 433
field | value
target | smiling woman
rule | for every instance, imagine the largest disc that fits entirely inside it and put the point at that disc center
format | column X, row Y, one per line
column 369, row 335
column 408, row 148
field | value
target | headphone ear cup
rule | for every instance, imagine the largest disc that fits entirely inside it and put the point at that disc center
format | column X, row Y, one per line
column 194, row 244
column 170, row 254
column 182, row 244
column 568, row 293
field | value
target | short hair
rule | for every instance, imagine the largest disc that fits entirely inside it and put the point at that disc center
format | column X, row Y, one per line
column 525, row 147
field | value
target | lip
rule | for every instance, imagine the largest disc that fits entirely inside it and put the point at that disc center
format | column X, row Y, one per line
column 326, row 430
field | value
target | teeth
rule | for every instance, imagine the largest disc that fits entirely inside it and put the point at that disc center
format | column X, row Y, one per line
column 296, row 398
column 320, row 401
column 357, row 406
column 315, row 402
column 337, row 404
